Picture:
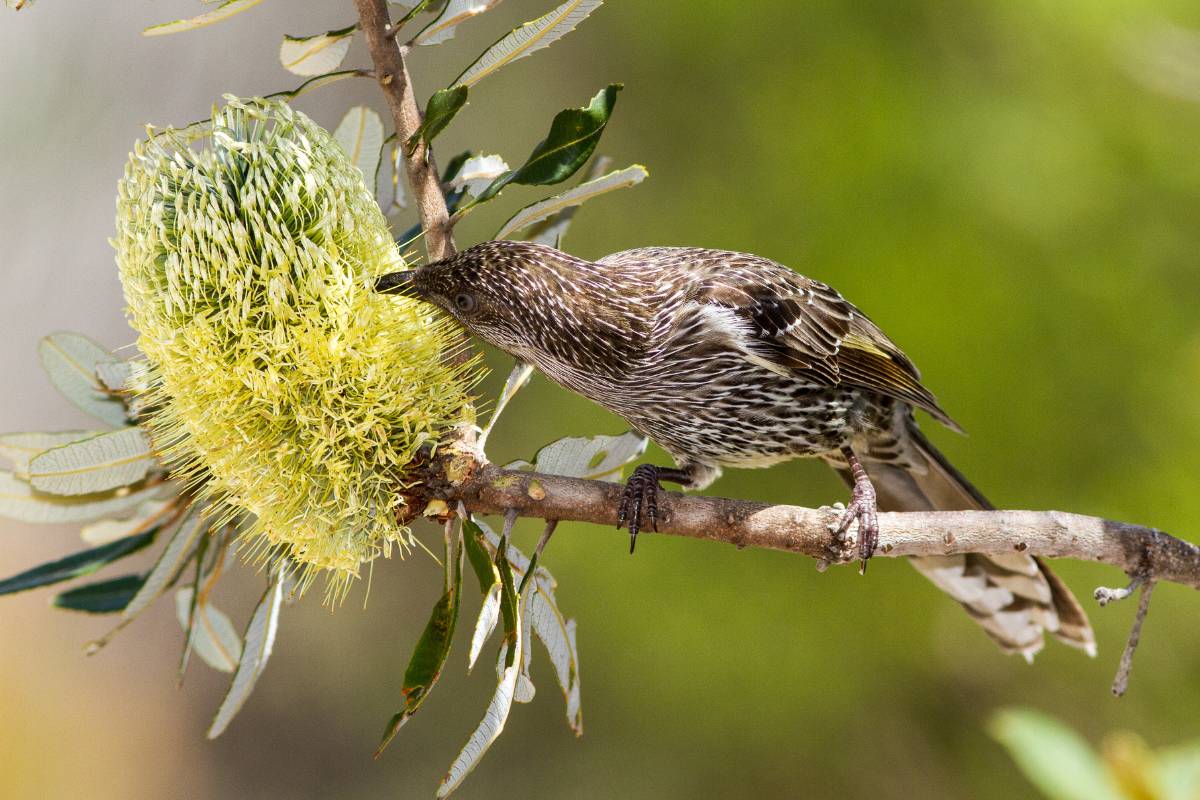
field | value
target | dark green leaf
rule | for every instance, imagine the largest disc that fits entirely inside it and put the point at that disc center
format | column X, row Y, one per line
column 508, row 600
column 84, row 562
column 429, row 657
column 440, row 109
column 573, row 137
column 102, row 597
column 477, row 553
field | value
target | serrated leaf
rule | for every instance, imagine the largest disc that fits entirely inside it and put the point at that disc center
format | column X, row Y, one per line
column 1053, row 757
column 594, row 458
column 75, row 565
column 19, row 448
column 517, row 379
column 316, row 55
column 429, row 658
column 70, row 361
column 485, row 624
column 101, row 597
column 259, row 639
column 218, row 14
column 214, row 638
column 574, row 134
column 578, row 195
column 19, row 501
column 528, row 39
column 478, row 172
column 453, row 14
column 442, row 107
column 360, row 133
column 107, row 461
column 170, row 562
column 144, row 517
column 552, row 230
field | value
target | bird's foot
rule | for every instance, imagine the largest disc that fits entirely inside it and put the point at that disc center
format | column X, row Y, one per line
column 864, row 509
column 640, row 495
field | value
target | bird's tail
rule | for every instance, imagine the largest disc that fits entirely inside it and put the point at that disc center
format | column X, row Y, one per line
column 1014, row 597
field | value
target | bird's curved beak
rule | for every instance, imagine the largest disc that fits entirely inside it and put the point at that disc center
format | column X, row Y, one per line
column 395, row 282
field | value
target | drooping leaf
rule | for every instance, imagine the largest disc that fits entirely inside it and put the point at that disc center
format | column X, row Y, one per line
column 553, row 229
column 360, row 133
column 107, row 461
column 477, row 547
column 443, row 105
column 525, row 690
column 594, row 458
column 259, row 639
column 489, row 615
column 574, row 134
column 1053, row 757
column 316, row 55
column 576, row 196
column 529, row 38
column 146, row 516
column 19, row 448
column 19, row 501
column 75, row 565
column 170, row 562
column 101, row 597
column 429, row 658
column 70, row 361
column 218, row 14
column 517, row 378
column 478, row 172
column 213, row 636
column 453, row 14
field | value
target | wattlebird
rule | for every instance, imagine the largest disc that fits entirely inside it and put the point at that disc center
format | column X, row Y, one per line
column 727, row 359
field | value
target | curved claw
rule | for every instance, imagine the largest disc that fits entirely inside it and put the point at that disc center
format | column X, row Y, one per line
column 641, row 494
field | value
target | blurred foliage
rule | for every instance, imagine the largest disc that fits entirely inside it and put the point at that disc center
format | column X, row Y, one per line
column 993, row 183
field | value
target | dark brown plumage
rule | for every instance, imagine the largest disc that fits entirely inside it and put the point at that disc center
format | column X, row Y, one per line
column 729, row 359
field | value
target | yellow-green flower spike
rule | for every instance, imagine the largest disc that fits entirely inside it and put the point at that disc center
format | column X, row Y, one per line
column 283, row 387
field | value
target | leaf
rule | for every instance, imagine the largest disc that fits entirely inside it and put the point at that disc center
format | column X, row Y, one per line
column 517, row 379
column 498, row 709
column 102, row 597
column 578, row 195
column 360, row 133
column 529, row 38
column 525, row 690
column 313, row 83
column 553, row 229
column 1052, row 756
column 144, row 517
column 477, row 172
column 574, row 134
column 475, row 540
column 433, row 648
column 259, row 639
column 19, row 501
column 453, row 14
column 218, row 14
column 107, row 461
column 315, row 55
column 443, row 105
column 214, row 638
column 19, row 448
column 489, row 615
column 115, row 375
column 594, row 458
column 169, row 564
column 70, row 361
column 75, row 565
column 1179, row 771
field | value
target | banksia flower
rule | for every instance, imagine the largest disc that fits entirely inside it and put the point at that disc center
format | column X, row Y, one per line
column 282, row 387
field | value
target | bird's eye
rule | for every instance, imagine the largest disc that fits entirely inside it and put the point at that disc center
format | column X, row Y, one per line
column 464, row 302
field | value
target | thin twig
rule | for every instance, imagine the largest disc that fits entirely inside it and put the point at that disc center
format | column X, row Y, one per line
column 1121, row 682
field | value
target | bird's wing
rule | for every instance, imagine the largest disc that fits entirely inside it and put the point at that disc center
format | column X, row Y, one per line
column 797, row 326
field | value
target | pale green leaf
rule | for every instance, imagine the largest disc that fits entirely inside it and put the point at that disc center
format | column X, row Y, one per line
column 19, row 501
column 1053, row 757
column 70, row 360
column 116, row 376
column 110, row 460
column 575, row 196
column 485, row 624
column 558, row 635
column 218, row 14
column 19, row 448
column 595, row 458
column 552, row 230
column 313, row 83
column 214, row 638
column 360, row 133
column 454, row 13
column 529, row 38
column 172, row 559
column 478, row 172
column 316, row 55
column 517, row 378
column 525, row 690
column 144, row 517
column 259, row 638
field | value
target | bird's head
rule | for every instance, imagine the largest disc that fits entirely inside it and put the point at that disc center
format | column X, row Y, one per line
column 506, row 292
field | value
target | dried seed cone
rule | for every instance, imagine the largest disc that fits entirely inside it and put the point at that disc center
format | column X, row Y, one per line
column 282, row 385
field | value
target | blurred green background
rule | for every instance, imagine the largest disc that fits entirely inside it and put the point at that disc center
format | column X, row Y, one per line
column 1011, row 190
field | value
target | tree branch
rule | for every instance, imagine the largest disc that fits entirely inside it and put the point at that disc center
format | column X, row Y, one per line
column 1133, row 548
